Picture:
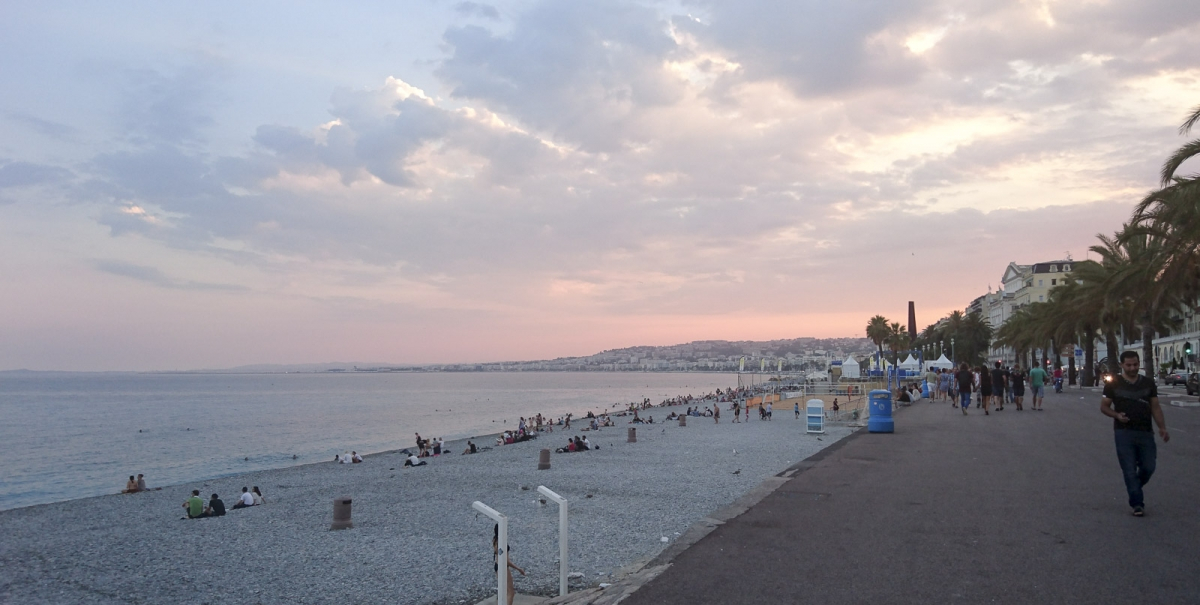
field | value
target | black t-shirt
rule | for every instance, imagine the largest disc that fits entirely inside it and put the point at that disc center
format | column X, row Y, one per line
column 998, row 376
column 217, row 506
column 966, row 381
column 985, row 380
column 1133, row 400
column 1018, row 379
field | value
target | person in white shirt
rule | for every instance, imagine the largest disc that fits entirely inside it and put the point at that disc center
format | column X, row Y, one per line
column 414, row 461
column 588, row 444
column 245, row 500
column 355, row 458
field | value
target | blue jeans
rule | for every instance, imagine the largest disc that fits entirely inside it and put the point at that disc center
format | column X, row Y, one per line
column 964, row 399
column 1137, row 454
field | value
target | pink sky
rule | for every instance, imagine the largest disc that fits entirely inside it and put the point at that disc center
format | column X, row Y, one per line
column 480, row 182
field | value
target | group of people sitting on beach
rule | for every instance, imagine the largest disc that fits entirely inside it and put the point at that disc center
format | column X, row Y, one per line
column 197, row 509
column 351, row 458
column 134, row 486
column 576, row 444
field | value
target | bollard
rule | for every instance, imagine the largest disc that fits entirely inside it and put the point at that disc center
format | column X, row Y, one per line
column 682, row 420
column 544, row 460
column 341, row 514
column 632, row 435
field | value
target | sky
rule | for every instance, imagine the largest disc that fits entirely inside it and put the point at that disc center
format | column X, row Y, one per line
column 206, row 185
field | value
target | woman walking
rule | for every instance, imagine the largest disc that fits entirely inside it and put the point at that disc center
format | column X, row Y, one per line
column 985, row 388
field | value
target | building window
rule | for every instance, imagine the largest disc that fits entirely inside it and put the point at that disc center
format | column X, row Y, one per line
column 1054, row 282
column 1041, row 298
column 1054, row 268
column 1066, row 267
column 1040, row 283
column 1029, row 283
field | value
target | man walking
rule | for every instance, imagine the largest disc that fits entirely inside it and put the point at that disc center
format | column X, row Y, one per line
column 999, row 378
column 966, row 380
column 1037, row 386
column 1131, row 400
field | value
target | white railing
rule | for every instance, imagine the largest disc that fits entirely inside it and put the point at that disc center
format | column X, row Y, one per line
column 562, row 537
column 501, row 550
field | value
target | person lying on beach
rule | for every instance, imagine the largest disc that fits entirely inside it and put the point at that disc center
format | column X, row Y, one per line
column 413, row 461
column 130, row 486
column 245, row 500
column 194, row 506
column 215, row 508
column 355, row 458
column 258, row 497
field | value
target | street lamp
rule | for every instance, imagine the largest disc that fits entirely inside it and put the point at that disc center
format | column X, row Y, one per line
column 953, row 357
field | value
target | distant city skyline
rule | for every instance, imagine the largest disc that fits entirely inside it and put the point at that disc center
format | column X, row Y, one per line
column 221, row 184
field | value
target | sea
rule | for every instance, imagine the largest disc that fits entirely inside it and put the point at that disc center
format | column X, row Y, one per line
column 74, row 435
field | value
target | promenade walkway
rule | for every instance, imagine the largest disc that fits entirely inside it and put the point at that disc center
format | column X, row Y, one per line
column 1015, row 507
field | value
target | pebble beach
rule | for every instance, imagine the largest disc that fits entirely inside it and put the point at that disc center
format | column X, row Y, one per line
column 415, row 538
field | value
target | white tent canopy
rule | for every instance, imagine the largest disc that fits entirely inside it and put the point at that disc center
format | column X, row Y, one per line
column 941, row 362
column 850, row 368
column 910, row 363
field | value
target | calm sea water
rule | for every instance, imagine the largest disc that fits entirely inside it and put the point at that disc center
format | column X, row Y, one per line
column 76, row 435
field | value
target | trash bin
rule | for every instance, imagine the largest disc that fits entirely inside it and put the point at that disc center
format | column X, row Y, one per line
column 341, row 513
column 880, row 408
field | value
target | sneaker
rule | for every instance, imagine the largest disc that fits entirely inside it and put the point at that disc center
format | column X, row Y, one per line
column 1138, row 511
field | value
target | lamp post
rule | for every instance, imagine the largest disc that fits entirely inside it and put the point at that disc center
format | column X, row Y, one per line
column 953, row 357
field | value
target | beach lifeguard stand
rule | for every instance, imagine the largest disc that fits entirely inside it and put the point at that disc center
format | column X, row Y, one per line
column 815, row 414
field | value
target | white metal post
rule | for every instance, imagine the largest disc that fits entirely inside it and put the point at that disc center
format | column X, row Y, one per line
column 501, row 550
column 562, row 537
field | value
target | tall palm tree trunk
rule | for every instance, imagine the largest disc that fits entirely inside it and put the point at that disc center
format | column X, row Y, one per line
column 1148, row 349
column 1112, row 346
column 1071, row 369
column 1089, row 357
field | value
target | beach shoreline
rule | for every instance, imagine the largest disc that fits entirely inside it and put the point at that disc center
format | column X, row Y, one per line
column 415, row 537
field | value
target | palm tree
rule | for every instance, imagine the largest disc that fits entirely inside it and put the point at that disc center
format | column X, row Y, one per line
column 878, row 331
column 898, row 339
column 1152, row 282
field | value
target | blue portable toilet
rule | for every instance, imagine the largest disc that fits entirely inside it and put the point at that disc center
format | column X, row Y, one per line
column 925, row 389
column 880, row 407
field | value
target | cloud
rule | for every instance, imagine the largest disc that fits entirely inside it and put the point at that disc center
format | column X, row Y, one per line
column 580, row 72
column 49, row 128
column 475, row 9
column 156, row 277
column 608, row 160
column 26, row 174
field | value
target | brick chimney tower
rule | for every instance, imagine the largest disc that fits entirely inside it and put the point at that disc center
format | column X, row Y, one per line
column 912, row 320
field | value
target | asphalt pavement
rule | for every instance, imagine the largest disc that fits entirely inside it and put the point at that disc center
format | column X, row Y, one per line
column 1014, row 507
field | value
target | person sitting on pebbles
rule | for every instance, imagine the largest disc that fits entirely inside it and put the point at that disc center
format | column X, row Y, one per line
column 471, row 449
column 194, row 506
column 355, row 458
column 130, row 486
column 245, row 500
column 414, row 461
